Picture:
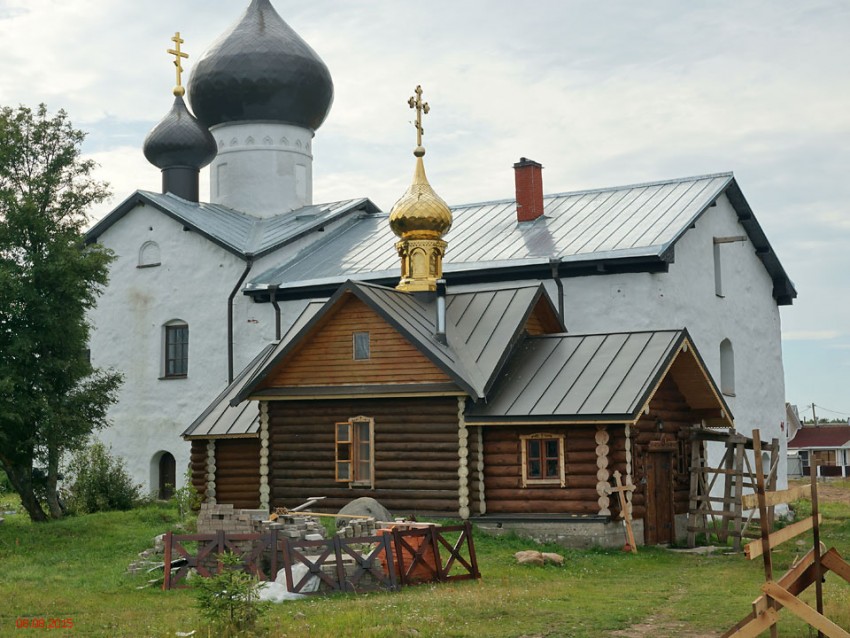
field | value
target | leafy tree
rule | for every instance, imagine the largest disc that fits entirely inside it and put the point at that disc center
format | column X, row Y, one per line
column 51, row 398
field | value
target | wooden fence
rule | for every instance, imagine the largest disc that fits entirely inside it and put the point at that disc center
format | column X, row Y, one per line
column 391, row 559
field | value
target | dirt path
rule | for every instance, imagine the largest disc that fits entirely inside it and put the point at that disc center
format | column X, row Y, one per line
column 661, row 625
column 832, row 493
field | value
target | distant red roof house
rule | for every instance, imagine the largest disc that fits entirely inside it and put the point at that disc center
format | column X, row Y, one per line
column 826, row 445
column 821, row 436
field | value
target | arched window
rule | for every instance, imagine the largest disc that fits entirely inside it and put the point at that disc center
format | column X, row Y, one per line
column 149, row 255
column 176, row 349
column 727, row 368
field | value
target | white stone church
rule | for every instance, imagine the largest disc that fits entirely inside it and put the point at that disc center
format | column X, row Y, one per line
column 199, row 288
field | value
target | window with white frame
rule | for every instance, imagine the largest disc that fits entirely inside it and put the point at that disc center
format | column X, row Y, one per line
column 355, row 451
column 543, row 459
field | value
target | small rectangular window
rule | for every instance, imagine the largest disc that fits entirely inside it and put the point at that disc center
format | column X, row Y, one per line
column 355, row 452
column 543, row 460
column 176, row 351
column 361, row 346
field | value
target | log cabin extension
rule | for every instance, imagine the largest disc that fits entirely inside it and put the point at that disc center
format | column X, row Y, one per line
column 506, row 419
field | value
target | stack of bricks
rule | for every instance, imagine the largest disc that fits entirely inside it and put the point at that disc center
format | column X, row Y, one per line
column 298, row 527
column 214, row 517
column 360, row 527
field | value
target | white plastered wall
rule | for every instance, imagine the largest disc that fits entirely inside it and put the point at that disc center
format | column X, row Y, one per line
column 192, row 283
column 747, row 315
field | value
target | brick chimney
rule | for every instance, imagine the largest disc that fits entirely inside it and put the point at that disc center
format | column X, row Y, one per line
column 529, row 190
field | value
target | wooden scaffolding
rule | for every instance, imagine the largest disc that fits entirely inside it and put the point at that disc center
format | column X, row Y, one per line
column 709, row 512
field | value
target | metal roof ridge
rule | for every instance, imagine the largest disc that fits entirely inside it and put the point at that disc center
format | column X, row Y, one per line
column 560, row 335
column 602, row 189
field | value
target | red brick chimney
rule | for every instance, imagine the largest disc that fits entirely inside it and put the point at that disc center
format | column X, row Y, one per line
column 529, row 190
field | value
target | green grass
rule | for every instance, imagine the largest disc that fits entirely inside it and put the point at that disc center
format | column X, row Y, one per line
column 76, row 568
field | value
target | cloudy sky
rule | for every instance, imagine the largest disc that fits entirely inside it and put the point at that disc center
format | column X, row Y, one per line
column 601, row 93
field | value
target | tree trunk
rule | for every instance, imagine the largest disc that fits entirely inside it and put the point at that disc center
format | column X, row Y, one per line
column 52, row 479
column 21, row 479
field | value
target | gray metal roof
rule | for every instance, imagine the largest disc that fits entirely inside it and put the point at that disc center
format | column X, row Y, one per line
column 613, row 225
column 586, row 377
column 482, row 328
column 237, row 232
column 223, row 419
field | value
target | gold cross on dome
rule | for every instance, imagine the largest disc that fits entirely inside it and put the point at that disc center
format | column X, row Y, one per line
column 421, row 107
column 178, row 62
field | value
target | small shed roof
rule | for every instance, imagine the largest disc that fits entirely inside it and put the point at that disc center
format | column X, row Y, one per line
column 821, row 437
column 601, row 377
column 225, row 419
column 237, row 232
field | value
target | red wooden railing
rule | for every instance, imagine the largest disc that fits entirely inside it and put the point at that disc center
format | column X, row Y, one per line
column 392, row 559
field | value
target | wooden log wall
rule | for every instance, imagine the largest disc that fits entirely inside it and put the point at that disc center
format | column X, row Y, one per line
column 670, row 407
column 503, row 471
column 237, row 472
column 416, row 453
column 327, row 357
column 198, row 463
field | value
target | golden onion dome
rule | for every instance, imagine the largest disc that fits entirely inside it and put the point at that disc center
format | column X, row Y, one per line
column 420, row 213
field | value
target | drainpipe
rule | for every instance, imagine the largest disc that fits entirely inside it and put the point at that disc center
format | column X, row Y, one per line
column 248, row 264
column 276, row 307
column 554, row 262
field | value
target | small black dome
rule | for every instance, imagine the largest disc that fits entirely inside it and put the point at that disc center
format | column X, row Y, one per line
column 261, row 70
column 179, row 140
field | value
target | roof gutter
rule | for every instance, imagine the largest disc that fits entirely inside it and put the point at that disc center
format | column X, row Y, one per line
column 248, row 265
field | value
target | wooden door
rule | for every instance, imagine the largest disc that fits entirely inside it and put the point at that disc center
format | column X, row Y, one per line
column 658, row 526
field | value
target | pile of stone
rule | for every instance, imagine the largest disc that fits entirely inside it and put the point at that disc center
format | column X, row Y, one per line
column 151, row 559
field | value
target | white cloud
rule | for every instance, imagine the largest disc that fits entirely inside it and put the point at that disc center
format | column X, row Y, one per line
column 599, row 93
column 810, row 335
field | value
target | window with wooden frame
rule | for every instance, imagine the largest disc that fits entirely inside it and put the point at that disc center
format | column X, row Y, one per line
column 543, row 460
column 355, row 451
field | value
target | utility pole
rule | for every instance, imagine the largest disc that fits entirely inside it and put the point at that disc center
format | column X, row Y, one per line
column 814, row 415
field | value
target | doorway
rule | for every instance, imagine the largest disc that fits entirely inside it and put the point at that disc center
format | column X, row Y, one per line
column 167, row 476
column 658, row 526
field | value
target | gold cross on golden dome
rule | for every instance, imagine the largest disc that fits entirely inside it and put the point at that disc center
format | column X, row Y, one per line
column 421, row 107
column 178, row 54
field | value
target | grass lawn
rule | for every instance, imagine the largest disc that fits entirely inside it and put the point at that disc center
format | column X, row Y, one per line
column 76, row 569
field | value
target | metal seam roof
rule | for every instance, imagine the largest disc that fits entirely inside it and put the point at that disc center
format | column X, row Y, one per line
column 237, row 232
column 617, row 225
column 579, row 376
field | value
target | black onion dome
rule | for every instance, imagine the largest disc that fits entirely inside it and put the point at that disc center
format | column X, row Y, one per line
column 261, row 70
column 179, row 140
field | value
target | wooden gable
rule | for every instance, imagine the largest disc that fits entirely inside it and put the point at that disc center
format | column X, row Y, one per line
column 695, row 385
column 325, row 356
column 543, row 320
